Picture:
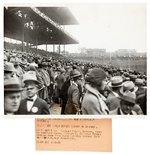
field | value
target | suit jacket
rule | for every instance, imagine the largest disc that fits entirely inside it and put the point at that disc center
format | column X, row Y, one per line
column 73, row 104
column 39, row 107
column 60, row 79
column 140, row 91
column 112, row 101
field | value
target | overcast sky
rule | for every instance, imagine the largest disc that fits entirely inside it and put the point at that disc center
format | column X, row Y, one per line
column 111, row 26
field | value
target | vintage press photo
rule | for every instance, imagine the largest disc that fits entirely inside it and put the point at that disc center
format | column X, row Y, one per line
column 75, row 59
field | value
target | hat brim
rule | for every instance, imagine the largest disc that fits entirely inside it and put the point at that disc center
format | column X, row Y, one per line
column 122, row 92
column 23, row 64
column 139, row 84
column 12, row 87
column 114, row 86
column 9, row 70
column 13, row 90
column 127, row 100
column 37, row 82
column 75, row 76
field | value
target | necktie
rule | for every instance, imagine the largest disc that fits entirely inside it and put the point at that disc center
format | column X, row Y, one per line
column 30, row 99
column 29, row 103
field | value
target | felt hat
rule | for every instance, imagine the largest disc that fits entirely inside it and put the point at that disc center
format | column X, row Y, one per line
column 127, row 79
column 116, row 81
column 129, row 97
column 133, row 77
column 139, row 81
column 8, row 66
column 12, row 84
column 30, row 76
column 95, row 76
column 128, row 86
column 62, row 70
column 75, row 73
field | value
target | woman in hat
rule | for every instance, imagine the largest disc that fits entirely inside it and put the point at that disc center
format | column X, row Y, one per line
column 93, row 102
column 74, row 93
column 12, row 95
column 32, row 105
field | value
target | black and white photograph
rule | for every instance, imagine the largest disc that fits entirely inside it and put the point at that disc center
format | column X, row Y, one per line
column 72, row 74
column 75, row 59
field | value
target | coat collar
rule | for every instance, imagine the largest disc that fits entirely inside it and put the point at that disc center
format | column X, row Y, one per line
column 94, row 91
column 100, row 97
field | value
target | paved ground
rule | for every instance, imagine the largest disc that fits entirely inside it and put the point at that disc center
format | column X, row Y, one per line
column 55, row 109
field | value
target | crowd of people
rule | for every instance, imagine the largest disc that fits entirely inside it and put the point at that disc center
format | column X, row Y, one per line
column 34, row 82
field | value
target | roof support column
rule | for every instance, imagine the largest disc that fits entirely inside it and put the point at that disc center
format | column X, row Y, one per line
column 27, row 46
column 53, row 48
column 36, row 43
column 36, row 48
column 23, row 39
column 59, row 49
column 46, row 46
column 64, row 50
column 30, row 46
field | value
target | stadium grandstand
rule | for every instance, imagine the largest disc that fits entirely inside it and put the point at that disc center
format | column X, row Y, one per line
column 38, row 25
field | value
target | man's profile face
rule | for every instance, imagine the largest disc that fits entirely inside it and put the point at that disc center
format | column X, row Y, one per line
column 31, row 88
column 126, row 107
column 12, row 101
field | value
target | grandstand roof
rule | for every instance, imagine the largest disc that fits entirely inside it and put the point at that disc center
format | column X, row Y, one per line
column 34, row 26
column 60, row 15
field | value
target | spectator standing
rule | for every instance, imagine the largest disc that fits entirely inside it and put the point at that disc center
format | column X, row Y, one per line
column 32, row 105
column 12, row 95
column 127, row 103
column 93, row 102
column 74, row 93
column 112, row 100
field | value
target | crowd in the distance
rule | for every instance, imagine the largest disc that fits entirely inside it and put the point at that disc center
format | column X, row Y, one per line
column 33, row 82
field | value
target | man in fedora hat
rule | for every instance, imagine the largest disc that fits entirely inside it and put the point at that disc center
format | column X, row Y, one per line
column 129, row 86
column 74, row 93
column 19, row 70
column 127, row 103
column 12, row 95
column 140, row 83
column 64, row 94
column 46, row 80
column 9, row 70
column 59, row 81
column 112, row 100
column 32, row 105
